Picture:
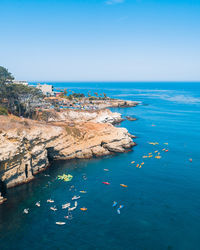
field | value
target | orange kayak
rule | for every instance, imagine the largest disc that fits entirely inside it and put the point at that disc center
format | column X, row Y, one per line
column 83, row 209
column 123, row 185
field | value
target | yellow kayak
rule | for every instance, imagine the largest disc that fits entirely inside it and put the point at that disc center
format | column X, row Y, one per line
column 157, row 157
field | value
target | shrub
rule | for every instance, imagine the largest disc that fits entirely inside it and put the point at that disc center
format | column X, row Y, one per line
column 3, row 111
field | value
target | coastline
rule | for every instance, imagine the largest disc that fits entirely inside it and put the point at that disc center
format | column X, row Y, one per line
column 28, row 146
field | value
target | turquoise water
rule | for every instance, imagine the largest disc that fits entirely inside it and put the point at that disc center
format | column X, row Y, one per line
column 162, row 200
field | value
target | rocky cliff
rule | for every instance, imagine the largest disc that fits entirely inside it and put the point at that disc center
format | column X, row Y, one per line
column 70, row 115
column 26, row 146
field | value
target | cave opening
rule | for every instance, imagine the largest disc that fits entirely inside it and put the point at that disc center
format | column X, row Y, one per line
column 26, row 170
column 3, row 188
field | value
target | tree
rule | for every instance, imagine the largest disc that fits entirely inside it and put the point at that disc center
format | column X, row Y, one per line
column 22, row 99
column 5, row 75
column 19, row 99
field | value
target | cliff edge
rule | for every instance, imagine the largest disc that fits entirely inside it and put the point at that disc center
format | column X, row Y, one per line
column 27, row 146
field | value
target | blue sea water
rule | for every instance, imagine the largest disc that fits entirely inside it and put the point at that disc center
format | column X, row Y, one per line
column 162, row 200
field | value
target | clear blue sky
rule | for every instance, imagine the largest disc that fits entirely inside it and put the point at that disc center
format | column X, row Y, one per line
column 101, row 40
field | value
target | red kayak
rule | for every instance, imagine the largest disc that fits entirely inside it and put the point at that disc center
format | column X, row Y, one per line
column 106, row 183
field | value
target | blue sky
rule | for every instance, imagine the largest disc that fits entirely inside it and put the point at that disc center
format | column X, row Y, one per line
column 101, row 40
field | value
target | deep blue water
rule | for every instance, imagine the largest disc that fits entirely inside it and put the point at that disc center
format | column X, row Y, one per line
column 162, row 200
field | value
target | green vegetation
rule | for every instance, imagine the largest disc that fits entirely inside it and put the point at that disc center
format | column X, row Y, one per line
column 18, row 99
column 3, row 111
column 5, row 76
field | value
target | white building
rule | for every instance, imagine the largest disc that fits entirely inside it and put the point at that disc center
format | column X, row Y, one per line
column 20, row 82
column 46, row 89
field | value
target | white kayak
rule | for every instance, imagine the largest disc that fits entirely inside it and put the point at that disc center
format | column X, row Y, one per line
column 64, row 206
column 60, row 223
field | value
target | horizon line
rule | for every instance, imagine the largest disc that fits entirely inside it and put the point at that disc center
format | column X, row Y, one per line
column 113, row 81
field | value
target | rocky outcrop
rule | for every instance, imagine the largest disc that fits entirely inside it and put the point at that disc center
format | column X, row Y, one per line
column 26, row 146
column 70, row 115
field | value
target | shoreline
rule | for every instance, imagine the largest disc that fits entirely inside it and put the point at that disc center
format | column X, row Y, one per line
column 28, row 147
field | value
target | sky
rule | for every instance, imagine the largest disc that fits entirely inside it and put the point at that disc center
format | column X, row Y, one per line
column 101, row 40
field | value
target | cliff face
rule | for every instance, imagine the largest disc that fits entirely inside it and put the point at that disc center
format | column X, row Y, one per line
column 26, row 146
column 70, row 115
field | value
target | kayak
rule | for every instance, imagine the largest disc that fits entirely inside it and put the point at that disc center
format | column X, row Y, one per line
column 123, row 185
column 106, row 183
column 26, row 210
column 76, row 197
column 158, row 157
column 37, row 204
column 50, row 201
column 114, row 204
column 132, row 162
column 65, row 205
column 53, row 208
column 83, row 192
column 83, row 209
column 60, row 223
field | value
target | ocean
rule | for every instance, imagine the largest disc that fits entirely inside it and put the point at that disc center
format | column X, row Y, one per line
column 162, row 198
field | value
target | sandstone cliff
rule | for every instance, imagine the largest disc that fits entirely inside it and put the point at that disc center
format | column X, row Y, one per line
column 70, row 115
column 26, row 145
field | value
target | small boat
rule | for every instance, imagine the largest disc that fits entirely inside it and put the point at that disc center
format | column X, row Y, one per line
column 37, row 204
column 26, row 211
column 50, row 201
column 83, row 209
column 60, row 223
column 123, row 185
column 120, row 207
column 83, row 192
column 53, row 208
column 106, row 183
column 76, row 197
column 64, row 206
